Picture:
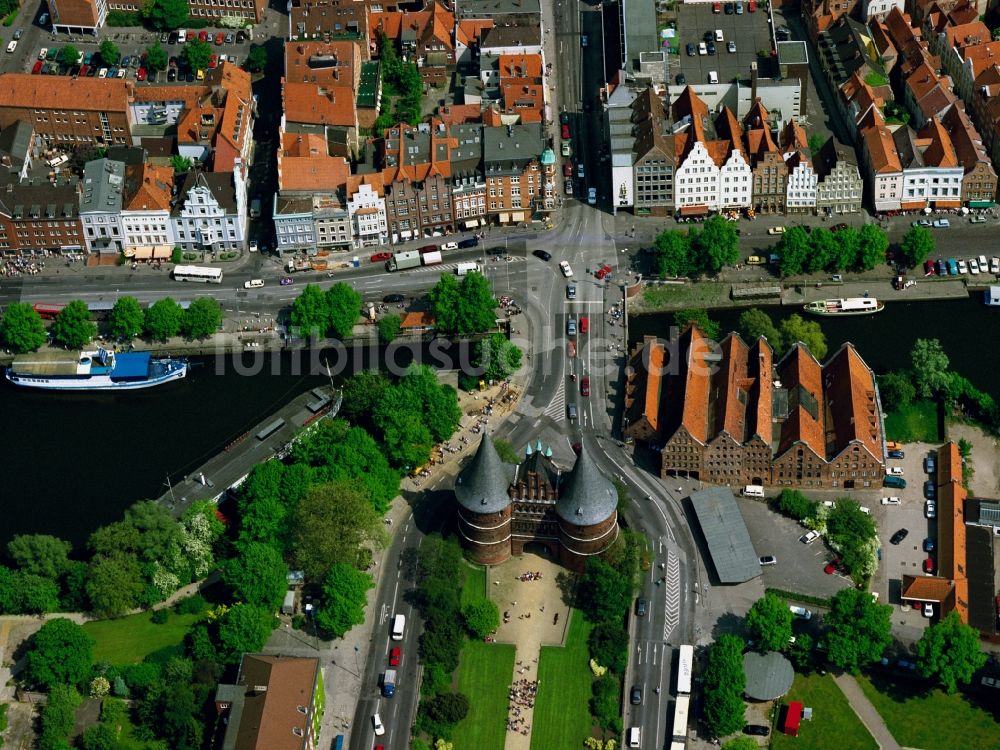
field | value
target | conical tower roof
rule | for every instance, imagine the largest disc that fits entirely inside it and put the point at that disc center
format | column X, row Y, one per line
column 586, row 496
column 481, row 487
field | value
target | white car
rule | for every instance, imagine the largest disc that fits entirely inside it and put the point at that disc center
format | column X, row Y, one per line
column 565, row 268
column 994, row 265
column 450, row 246
column 592, row 196
column 702, row 48
column 809, row 537
column 378, row 725
column 974, row 266
column 941, row 223
column 930, row 508
column 12, row 46
column 963, row 267
column 928, row 609
column 42, row 53
column 776, row 230
column 713, row 76
column 983, row 265
column 895, row 471
column 801, row 612
column 103, row 73
column 890, row 501
column 865, row 509
column 718, row 35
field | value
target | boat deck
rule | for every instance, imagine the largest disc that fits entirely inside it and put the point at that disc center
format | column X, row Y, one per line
column 231, row 465
column 48, row 364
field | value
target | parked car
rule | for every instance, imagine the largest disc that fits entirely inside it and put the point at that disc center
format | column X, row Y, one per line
column 776, row 230
column 768, row 560
column 991, row 682
column 929, row 268
column 929, row 566
column 730, row 46
column 592, row 196
column 220, row 39
column 681, row 79
column 941, row 223
column 691, row 50
column 565, row 132
column 381, row 257
column 567, row 271
column 567, row 169
column 756, row 260
column 977, row 219
column 928, row 609
column 230, row 38
column 449, row 246
column 758, row 730
column 895, row 471
column 890, row 500
column 899, row 536
column 809, row 537
column 395, row 656
column 930, row 509
column 930, row 490
column 568, row 186
column 897, row 454
column 928, row 545
column 801, row 612
column 930, row 463
column 585, row 386
column 467, row 243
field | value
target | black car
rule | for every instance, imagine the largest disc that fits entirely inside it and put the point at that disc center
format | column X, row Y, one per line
column 897, row 454
column 691, row 50
column 730, row 9
column 172, row 75
column 640, row 606
column 898, row 536
column 240, row 37
column 709, row 36
column 681, row 79
column 636, row 696
column 172, row 39
column 930, row 490
column 711, row 48
column 757, row 729
column 471, row 242
column 928, row 545
column 542, row 254
column 393, row 298
column 151, row 75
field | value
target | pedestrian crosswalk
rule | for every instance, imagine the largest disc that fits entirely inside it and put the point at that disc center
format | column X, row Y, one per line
column 672, row 595
column 556, row 410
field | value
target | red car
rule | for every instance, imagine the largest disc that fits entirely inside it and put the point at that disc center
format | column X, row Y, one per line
column 203, row 36
column 567, row 166
column 395, row 656
column 36, row 68
column 379, row 257
column 929, row 566
column 565, row 132
column 140, row 74
column 571, row 349
column 830, row 569
column 716, row 7
column 220, row 39
column 602, row 272
column 584, row 324
column 585, row 386
column 752, row 6
column 929, row 268
column 213, row 61
column 84, row 69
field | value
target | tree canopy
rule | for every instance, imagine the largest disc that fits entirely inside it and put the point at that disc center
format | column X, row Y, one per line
column 60, row 653
column 700, row 318
column 196, row 53
column 481, row 617
column 109, row 52
column 388, row 328
column 165, row 15
column 949, row 652
column 68, row 55
column 723, row 683
column 245, row 628
column 202, row 318
column 896, row 389
column 917, row 245
column 41, row 554
column 604, row 593
column 770, row 621
column 345, row 596
column 257, row 575
column 872, row 244
column 163, row 319
column 715, row 245
column 72, row 327
column 114, row 584
column 462, row 307
column 754, row 323
column 673, row 254
column 498, row 357
column 795, row 328
column 156, row 56
column 256, row 58
column 21, row 329
column 931, row 372
column 126, row 318
column 311, row 311
column 859, row 629
column 345, row 309
column 801, row 252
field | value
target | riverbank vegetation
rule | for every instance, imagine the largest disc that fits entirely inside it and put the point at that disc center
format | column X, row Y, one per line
column 699, row 251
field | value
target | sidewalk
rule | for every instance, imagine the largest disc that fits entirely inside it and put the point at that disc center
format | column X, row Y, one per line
column 866, row 712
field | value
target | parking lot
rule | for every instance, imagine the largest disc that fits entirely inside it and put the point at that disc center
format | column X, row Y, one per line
column 750, row 31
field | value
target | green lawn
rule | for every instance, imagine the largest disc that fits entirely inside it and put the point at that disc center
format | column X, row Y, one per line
column 915, row 422
column 484, row 674
column 931, row 720
column 562, row 715
column 474, row 588
column 834, row 726
column 129, row 640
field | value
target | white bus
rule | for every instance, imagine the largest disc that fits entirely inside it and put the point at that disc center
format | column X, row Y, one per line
column 685, row 666
column 198, row 273
column 680, row 729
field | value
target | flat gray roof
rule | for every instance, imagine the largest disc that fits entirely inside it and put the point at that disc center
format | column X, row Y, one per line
column 726, row 534
column 769, row 675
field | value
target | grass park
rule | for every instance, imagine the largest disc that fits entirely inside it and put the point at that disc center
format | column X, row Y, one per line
column 562, row 717
column 916, row 422
column 931, row 719
column 129, row 640
column 834, row 725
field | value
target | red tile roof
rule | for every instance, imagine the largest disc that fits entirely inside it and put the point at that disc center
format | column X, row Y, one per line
column 850, row 392
column 345, row 71
column 695, row 347
column 802, row 377
column 320, row 105
column 269, row 715
column 305, row 166
column 731, row 385
column 26, row 91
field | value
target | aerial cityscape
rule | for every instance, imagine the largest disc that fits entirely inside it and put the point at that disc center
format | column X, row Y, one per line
column 500, row 375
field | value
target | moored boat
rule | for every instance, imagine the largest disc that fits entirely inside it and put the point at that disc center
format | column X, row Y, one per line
column 849, row 306
column 100, row 370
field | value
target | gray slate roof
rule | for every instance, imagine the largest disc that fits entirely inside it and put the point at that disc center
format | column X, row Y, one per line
column 726, row 534
column 481, row 487
column 103, row 183
column 586, row 496
column 769, row 675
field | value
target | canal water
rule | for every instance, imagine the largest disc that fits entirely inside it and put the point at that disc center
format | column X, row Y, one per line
column 72, row 462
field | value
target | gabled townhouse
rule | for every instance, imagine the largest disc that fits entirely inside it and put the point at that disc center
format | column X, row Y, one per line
column 880, row 163
column 712, row 174
column 819, row 15
column 856, row 99
column 366, row 207
column 324, row 110
column 911, row 47
column 932, row 176
column 840, row 188
column 468, row 182
column 877, row 10
column 965, row 64
column 422, row 37
column 770, row 173
column 884, row 46
column 846, row 47
column 927, row 94
column 145, row 214
column 415, row 171
column 209, row 211
column 920, row 9
column 65, row 111
column 101, row 199
column 802, row 180
column 653, row 157
column 520, row 172
column 979, row 185
column 942, row 34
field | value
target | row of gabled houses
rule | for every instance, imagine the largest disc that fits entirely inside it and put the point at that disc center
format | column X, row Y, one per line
column 685, row 161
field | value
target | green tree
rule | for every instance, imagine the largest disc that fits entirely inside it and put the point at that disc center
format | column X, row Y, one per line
column 436, row 402
column 332, row 523
column 165, row 15
column 21, row 329
column 72, row 327
column 723, row 683
column 58, row 717
column 388, row 328
column 345, row 596
column 795, row 328
column 896, row 389
column 715, row 246
column 202, row 318
column 845, row 251
column 608, row 646
column 754, row 323
column 872, row 244
column 794, row 504
column 825, row 247
column 156, row 56
column 40, row 554
column 481, row 618
column 60, row 653
column 498, row 357
column 109, row 52
column 605, row 703
column 949, row 652
column 163, row 319
column 700, row 318
column 462, row 307
column 311, row 311
column 858, row 629
column 673, row 254
column 257, row 576
column 794, row 251
column 68, row 55
column 114, row 584
column 196, row 53
column 362, row 391
column 126, row 318
column 244, row 628
column 816, row 143
column 930, row 367
column 34, row 594
column 100, row 737
column 180, row 164
column 256, row 58
column 770, row 621
column 917, row 245
column 603, row 593
column 344, row 306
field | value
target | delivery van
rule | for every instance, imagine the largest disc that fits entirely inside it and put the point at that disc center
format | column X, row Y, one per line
column 633, row 737
column 753, row 490
column 253, row 284
column 398, row 627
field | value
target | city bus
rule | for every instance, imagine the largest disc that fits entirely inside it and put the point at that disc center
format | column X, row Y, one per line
column 203, row 274
column 48, row 311
column 680, row 728
column 685, row 666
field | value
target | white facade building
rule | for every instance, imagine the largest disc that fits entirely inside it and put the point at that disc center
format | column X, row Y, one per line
column 212, row 214
column 700, row 182
column 880, row 9
column 101, row 206
column 801, row 190
column 369, row 224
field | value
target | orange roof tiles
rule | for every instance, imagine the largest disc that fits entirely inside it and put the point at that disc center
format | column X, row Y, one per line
column 346, row 70
column 730, row 384
column 422, row 319
column 967, row 34
column 697, row 374
column 457, row 114
column 802, row 376
column 270, row 715
column 26, row 91
column 320, row 105
column 469, row 31
column 305, row 166
column 850, row 385
column 926, row 588
column 520, row 66
column 881, row 149
column 153, row 189
column 940, row 152
column 373, row 180
column 760, row 361
column 190, row 94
